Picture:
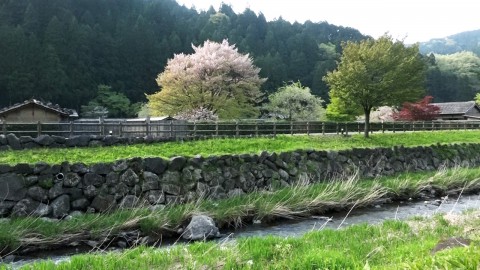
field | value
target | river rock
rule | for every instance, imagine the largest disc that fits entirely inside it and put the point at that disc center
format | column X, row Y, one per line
column 129, row 178
column 24, row 208
column 155, row 197
column 93, row 179
column 112, row 179
column 78, row 141
column 103, row 203
column 3, row 139
column 71, row 180
column 12, row 187
column 79, row 168
column 4, row 168
column 44, row 140
column 6, row 207
column 150, row 181
column 42, row 210
column 171, row 189
column 61, row 206
column 177, row 163
column 129, row 201
column 80, row 204
column 13, row 141
column 201, row 227
column 101, row 168
column 38, row 194
column 155, row 165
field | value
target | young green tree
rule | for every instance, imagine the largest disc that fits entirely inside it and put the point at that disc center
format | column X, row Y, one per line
column 378, row 72
column 109, row 103
column 216, row 77
column 295, row 102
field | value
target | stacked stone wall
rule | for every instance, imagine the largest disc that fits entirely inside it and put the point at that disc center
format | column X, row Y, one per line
column 56, row 191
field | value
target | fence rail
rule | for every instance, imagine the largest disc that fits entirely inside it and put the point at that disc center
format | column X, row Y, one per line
column 178, row 129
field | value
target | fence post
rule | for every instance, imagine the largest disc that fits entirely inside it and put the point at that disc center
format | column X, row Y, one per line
column 194, row 128
column 274, row 128
column 237, row 131
column 358, row 127
column 39, row 129
column 383, row 128
column 147, row 126
column 71, row 128
column 4, row 127
column 337, row 127
column 346, row 128
column 393, row 126
column 433, row 126
column 323, row 128
column 256, row 128
column 308, row 128
column 102, row 127
column 291, row 127
column 120, row 131
column 172, row 135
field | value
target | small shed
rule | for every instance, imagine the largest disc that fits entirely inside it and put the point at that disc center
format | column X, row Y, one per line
column 467, row 110
column 33, row 110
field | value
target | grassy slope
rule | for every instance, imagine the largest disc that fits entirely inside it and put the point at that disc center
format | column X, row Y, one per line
column 235, row 146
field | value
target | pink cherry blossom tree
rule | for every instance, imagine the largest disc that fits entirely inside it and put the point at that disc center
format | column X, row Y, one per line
column 216, row 77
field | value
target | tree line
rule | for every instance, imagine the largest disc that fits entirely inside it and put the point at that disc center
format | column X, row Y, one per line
column 63, row 50
column 79, row 52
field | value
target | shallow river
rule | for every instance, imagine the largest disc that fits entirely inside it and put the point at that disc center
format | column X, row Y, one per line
column 371, row 215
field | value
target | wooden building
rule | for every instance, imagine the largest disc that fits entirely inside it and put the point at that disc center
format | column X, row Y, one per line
column 467, row 110
column 33, row 110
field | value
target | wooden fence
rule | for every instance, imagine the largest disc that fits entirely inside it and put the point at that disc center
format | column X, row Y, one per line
column 179, row 129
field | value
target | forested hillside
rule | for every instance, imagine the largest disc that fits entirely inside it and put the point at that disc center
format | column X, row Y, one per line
column 61, row 50
column 465, row 41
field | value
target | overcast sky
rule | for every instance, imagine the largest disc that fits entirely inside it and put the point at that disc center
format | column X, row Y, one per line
column 414, row 20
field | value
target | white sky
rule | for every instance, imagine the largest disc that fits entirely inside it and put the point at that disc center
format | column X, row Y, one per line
column 414, row 20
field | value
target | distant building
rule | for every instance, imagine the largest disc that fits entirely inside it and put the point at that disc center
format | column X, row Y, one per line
column 467, row 110
column 33, row 110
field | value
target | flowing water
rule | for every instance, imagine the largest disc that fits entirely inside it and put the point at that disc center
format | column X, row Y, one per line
column 371, row 215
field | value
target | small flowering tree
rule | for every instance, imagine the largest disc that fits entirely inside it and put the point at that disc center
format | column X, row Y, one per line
column 418, row 111
column 215, row 77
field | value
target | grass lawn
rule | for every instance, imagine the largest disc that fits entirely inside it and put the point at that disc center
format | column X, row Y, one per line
column 236, row 146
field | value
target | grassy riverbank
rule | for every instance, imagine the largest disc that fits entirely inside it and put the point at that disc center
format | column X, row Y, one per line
column 236, row 146
column 295, row 202
column 391, row 245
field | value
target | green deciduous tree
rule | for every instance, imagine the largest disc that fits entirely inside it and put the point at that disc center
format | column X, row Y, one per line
column 109, row 103
column 374, row 73
column 295, row 102
column 216, row 77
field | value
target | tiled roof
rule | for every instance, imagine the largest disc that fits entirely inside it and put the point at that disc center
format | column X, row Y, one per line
column 47, row 105
column 455, row 107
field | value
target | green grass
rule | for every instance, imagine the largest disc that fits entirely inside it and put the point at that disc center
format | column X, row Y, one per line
column 235, row 146
column 293, row 202
column 391, row 245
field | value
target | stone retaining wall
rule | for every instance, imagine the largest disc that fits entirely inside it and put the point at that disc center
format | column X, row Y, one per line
column 45, row 190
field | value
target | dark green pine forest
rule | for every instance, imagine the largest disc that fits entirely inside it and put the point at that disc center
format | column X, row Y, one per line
column 62, row 50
